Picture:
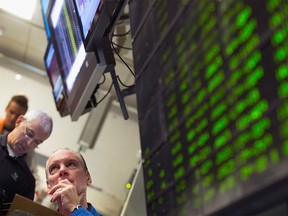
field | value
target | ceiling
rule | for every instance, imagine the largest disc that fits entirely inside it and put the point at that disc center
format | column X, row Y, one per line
column 24, row 42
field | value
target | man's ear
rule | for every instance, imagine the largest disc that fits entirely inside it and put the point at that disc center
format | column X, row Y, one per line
column 19, row 120
column 89, row 179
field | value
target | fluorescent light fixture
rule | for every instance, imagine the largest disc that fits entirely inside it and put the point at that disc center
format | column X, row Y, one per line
column 23, row 9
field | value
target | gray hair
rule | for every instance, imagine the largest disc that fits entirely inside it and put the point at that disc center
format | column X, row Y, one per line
column 44, row 119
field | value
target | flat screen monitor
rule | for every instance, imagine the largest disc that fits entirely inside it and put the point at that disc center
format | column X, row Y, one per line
column 86, row 12
column 80, row 71
column 53, row 72
column 97, row 19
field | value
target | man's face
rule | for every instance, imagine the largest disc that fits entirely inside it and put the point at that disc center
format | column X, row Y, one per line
column 65, row 164
column 13, row 111
column 26, row 136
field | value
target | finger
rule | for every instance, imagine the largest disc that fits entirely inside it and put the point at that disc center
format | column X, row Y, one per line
column 56, row 195
column 54, row 189
column 61, row 184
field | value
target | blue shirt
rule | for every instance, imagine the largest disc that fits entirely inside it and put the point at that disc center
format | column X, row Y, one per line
column 85, row 212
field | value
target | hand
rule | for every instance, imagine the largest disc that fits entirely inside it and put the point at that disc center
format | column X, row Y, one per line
column 65, row 194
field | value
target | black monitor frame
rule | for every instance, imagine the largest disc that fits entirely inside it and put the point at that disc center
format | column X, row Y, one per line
column 81, row 96
column 103, row 23
column 81, row 100
column 95, row 52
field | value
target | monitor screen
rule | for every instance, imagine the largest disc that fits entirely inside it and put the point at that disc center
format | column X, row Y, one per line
column 86, row 11
column 80, row 71
column 212, row 102
column 44, row 6
column 53, row 72
column 97, row 19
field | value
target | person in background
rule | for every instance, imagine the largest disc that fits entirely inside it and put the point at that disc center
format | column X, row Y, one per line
column 67, row 178
column 30, row 131
column 18, row 105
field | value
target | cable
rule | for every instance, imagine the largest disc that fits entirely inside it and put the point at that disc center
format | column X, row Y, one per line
column 104, row 79
column 121, row 46
column 122, row 82
column 121, row 58
column 105, row 94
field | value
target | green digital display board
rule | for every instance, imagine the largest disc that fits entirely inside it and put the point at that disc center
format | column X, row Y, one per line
column 212, row 91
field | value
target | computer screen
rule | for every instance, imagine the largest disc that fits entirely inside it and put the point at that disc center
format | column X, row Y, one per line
column 86, row 11
column 80, row 71
column 97, row 19
column 212, row 101
column 44, row 7
column 53, row 72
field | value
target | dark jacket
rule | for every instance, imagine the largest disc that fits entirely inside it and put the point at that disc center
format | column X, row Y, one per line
column 15, row 175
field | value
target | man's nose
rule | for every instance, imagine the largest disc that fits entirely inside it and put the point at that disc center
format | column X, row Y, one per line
column 31, row 142
column 63, row 170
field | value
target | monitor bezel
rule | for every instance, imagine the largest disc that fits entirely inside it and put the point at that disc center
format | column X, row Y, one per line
column 78, row 98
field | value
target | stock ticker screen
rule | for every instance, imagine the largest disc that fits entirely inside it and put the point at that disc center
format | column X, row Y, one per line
column 212, row 94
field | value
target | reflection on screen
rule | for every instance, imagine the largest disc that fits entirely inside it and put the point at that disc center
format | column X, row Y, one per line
column 87, row 10
column 76, row 67
column 54, row 73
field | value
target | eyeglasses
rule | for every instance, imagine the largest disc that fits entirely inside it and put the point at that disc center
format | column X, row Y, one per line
column 29, row 134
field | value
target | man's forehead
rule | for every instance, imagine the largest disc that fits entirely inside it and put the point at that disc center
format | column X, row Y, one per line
column 62, row 155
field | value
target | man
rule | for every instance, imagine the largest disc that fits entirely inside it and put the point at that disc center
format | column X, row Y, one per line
column 67, row 178
column 18, row 105
column 29, row 132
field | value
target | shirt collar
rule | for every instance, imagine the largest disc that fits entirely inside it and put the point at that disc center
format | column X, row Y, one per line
column 4, row 143
column 10, row 151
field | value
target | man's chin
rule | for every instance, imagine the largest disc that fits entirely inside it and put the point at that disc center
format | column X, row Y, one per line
column 20, row 150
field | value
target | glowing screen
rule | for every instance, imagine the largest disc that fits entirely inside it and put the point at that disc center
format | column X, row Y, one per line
column 212, row 101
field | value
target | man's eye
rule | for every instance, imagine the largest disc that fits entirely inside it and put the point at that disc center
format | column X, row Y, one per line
column 53, row 169
column 12, row 112
column 71, row 165
column 30, row 134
